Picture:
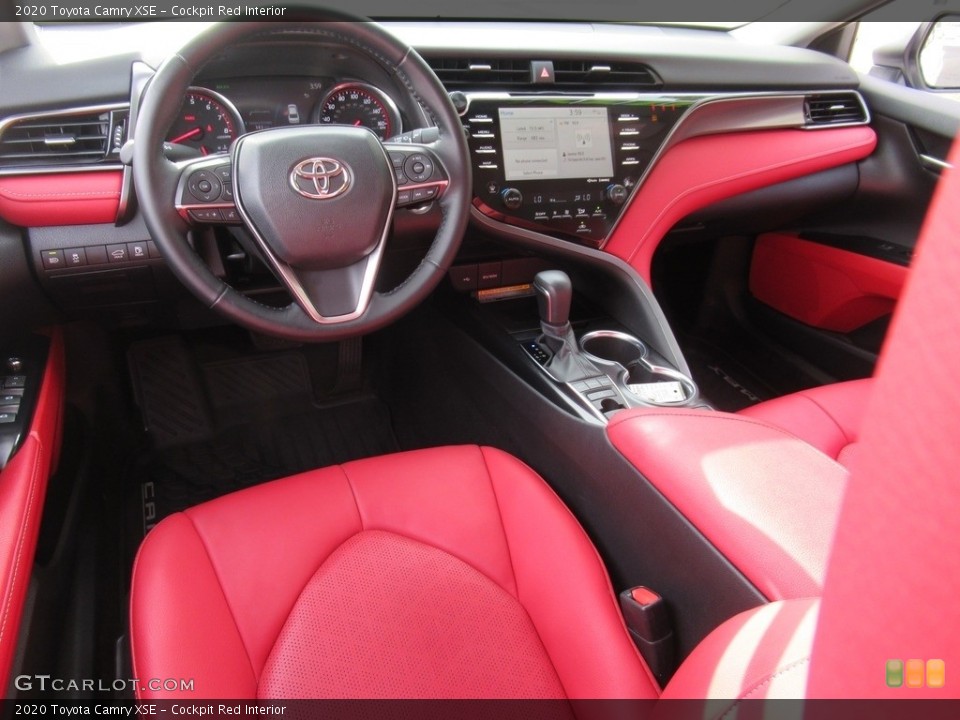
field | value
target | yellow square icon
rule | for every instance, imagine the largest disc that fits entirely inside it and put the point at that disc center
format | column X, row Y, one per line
column 936, row 673
column 915, row 673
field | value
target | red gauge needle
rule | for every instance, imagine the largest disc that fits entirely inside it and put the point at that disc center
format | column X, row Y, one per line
column 187, row 135
column 357, row 123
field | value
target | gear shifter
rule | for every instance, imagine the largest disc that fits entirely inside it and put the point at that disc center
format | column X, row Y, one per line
column 554, row 293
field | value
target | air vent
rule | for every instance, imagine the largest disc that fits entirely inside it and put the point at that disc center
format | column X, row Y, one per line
column 834, row 109
column 461, row 73
column 63, row 138
column 512, row 74
column 589, row 73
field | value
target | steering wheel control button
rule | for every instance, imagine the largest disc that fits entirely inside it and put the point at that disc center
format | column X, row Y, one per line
column 396, row 158
column 117, row 253
column 204, row 185
column 418, row 195
column 418, row 167
column 401, row 178
column 52, row 259
column 404, row 197
column 224, row 172
column 206, row 215
column 6, row 418
column 227, row 194
column 230, row 215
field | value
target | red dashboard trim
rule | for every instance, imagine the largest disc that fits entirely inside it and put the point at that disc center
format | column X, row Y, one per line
column 704, row 170
column 80, row 198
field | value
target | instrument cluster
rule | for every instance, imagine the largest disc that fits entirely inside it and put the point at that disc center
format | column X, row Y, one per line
column 211, row 118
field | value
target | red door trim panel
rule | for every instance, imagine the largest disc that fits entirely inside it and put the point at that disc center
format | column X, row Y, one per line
column 704, row 170
column 23, row 486
column 826, row 287
column 80, row 198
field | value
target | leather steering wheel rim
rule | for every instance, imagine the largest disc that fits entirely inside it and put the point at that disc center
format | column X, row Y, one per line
column 156, row 178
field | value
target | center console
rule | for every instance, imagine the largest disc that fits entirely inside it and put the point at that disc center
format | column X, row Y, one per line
column 605, row 370
column 564, row 165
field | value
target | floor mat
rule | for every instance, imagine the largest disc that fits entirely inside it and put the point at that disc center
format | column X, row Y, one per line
column 168, row 389
column 173, row 479
column 724, row 381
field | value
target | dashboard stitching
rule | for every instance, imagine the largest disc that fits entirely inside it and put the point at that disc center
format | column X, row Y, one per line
column 59, row 195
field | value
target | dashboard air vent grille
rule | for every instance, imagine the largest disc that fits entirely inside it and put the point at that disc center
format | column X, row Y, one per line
column 511, row 74
column 57, row 139
column 587, row 73
column 834, row 109
column 465, row 73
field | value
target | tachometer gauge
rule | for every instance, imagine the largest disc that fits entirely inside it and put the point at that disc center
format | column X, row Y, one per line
column 208, row 122
column 361, row 105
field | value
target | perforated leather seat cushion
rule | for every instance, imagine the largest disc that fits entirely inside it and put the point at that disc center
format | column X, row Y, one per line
column 452, row 572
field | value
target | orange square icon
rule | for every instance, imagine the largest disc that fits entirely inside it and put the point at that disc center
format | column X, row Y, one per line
column 915, row 673
column 936, row 673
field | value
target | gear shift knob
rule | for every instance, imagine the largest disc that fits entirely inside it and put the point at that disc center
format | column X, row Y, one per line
column 554, row 293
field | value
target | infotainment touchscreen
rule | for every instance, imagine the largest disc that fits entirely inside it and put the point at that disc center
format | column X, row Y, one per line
column 557, row 142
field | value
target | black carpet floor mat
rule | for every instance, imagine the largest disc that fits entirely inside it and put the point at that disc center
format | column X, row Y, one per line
column 220, row 416
column 723, row 380
column 175, row 478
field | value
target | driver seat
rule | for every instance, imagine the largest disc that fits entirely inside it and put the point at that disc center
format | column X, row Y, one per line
column 453, row 572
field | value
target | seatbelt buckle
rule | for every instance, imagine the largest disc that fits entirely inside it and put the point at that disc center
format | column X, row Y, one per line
column 648, row 621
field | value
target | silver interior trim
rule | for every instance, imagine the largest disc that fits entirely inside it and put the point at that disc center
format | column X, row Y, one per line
column 11, row 120
column 933, row 163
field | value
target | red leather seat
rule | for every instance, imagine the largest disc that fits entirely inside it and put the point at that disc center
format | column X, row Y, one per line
column 828, row 417
column 459, row 562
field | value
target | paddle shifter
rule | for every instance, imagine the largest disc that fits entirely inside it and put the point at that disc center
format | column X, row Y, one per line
column 554, row 293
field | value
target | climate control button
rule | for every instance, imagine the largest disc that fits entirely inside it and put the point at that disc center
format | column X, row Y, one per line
column 616, row 193
column 512, row 198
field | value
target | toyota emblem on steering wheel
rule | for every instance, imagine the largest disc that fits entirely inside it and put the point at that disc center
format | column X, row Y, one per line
column 320, row 178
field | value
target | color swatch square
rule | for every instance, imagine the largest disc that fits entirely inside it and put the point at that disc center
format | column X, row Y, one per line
column 894, row 673
column 936, row 673
column 915, row 673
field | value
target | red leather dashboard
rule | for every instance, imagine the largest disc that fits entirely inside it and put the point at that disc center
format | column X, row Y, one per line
column 81, row 198
column 704, row 170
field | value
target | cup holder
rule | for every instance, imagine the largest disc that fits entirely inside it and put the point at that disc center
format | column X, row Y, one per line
column 612, row 347
column 647, row 383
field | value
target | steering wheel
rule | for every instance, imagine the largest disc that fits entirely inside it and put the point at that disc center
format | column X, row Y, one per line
column 318, row 200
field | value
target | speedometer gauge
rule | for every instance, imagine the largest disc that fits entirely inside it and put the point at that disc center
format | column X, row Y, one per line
column 207, row 122
column 361, row 105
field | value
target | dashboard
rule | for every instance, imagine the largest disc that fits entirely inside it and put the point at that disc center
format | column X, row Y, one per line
column 577, row 137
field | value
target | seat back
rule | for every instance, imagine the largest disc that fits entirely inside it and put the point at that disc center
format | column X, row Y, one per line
column 893, row 580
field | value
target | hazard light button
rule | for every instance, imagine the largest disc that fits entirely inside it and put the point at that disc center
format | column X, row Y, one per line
column 542, row 71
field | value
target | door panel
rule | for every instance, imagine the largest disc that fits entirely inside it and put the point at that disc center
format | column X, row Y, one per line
column 827, row 286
